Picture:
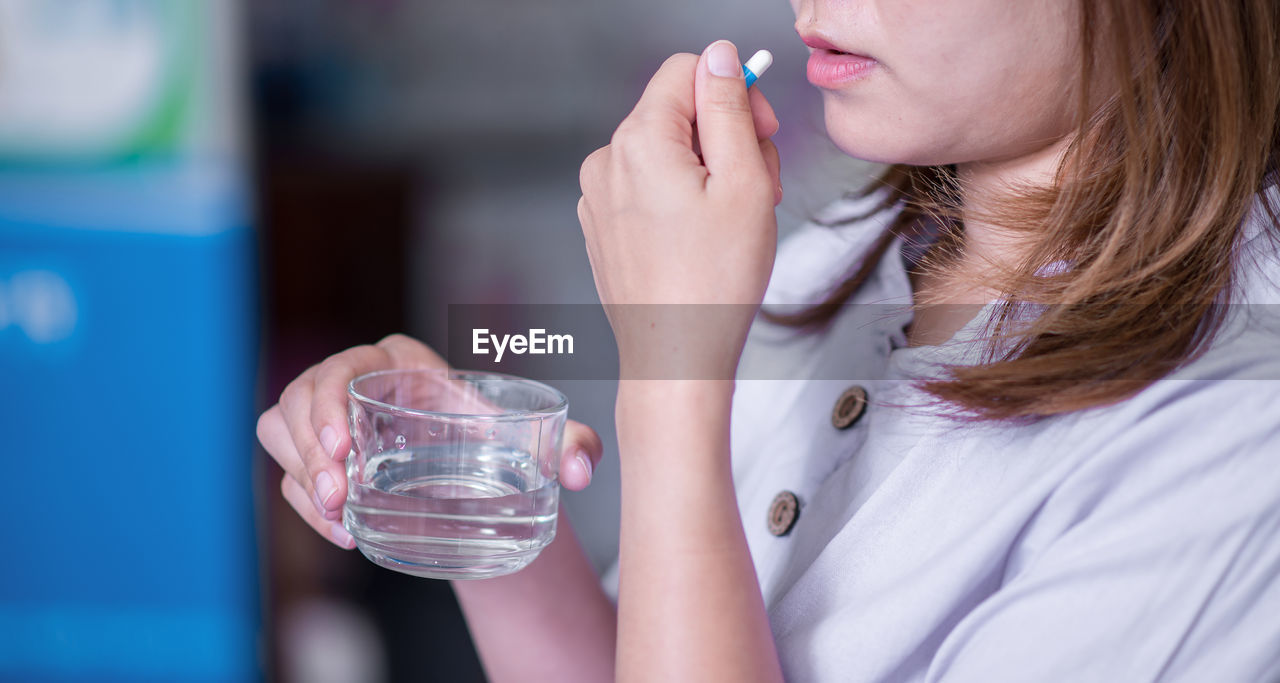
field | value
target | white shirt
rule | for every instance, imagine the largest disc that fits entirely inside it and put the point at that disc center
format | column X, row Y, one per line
column 1136, row 542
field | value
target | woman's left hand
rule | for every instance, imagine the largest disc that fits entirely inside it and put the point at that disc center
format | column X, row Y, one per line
column 693, row 234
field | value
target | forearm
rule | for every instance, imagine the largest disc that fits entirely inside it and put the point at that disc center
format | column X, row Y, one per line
column 550, row 621
column 690, row 605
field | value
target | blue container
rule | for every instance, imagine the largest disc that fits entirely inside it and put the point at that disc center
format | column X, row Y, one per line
column 127, row 365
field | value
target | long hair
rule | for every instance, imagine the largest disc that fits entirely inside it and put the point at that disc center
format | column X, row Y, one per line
column 1146, row 207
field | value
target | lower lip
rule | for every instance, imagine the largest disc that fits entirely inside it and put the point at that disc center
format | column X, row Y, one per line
column 829, row 69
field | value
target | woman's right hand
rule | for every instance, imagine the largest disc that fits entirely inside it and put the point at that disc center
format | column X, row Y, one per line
column 307, row 434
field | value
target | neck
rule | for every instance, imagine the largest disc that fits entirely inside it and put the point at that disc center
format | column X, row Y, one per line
column 984, row 184
column 957, row 295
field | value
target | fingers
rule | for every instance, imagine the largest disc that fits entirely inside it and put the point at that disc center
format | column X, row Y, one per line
column 307, row 432
column 300, row 500
column 326, row 412
column 314, row 412
column 660, row 127
column 771, row 161
column 726, row 124
column 407, row 352
column 669, row 92
column 274, row 436
column 329, row 404
column 682, row 93
column 320, row 475
column 580, row 455
column 762, row 115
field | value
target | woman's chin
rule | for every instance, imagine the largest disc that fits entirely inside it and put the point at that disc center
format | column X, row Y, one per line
column 877, row 143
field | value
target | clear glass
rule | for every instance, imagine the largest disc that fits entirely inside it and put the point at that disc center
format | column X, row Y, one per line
column 453, row 475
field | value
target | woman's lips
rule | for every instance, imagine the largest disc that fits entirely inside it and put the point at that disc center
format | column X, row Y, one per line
column 832, row 69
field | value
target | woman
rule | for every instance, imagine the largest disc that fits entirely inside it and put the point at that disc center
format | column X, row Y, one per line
column 1029, row 433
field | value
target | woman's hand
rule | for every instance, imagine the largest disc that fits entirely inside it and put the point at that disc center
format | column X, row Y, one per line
column 667, row 226
column 681, row 248
column 307, row 432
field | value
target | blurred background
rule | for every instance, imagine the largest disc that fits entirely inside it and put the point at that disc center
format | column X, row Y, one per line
column 201, row 199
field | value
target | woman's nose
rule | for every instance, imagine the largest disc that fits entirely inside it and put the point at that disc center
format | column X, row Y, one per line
column 806, row 13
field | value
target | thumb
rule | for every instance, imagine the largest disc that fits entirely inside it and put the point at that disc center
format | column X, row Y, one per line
column 726, row 130
column 581, row 453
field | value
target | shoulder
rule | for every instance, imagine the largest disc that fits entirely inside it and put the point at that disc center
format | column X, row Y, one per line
column 820, row 251
column 1182, row 444
column 1169, row 527
column 1246, row 346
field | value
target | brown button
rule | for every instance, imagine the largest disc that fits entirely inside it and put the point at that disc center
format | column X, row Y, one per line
column 849, row 407
column 783, row 513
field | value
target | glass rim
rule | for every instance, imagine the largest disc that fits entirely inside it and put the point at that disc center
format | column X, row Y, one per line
column 561, row 405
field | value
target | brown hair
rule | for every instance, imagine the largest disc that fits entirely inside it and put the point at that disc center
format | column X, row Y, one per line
column 1146, row 206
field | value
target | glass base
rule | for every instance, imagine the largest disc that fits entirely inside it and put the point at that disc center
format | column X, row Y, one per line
column 452, row 567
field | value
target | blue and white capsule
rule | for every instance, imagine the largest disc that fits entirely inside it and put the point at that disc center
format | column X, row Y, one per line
column 756, row 66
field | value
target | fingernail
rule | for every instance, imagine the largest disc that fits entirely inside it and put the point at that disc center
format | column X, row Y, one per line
column 722, row 60
column 584, row 462
column 329, row 439
column 778, row 194
column 340, row 535
column 325, row 488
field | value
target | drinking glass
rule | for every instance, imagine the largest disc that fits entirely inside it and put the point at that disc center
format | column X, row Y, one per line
column 452, row 474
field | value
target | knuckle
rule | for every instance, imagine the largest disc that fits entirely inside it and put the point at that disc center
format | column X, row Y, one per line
column 596, row 158
column 630, row 141
column 338, row 367
column 394, row 348
column 679, row 60
column 263, row 420
column 399, row 350
column 624, row 133
column 394, row 339
column 291, row 392
column 590, row 168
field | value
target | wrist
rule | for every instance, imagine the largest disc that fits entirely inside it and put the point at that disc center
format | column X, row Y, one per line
column 673, row 398
column 680, row 341
column 673, row 425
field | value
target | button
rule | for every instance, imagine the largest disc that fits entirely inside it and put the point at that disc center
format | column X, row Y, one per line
column 849, row 407
column 783, row 513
